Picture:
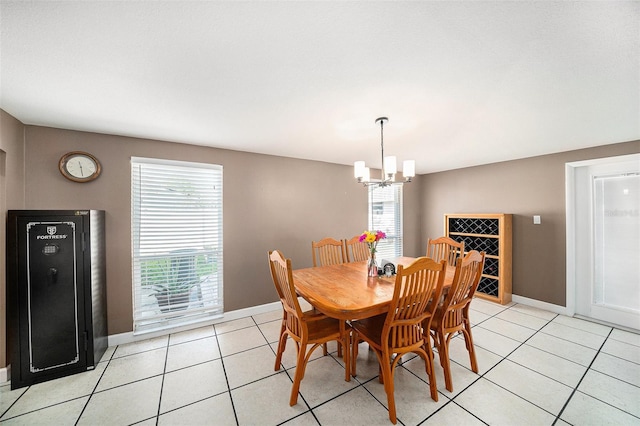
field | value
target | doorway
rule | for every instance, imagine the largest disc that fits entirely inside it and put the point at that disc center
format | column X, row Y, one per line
column 603, row 240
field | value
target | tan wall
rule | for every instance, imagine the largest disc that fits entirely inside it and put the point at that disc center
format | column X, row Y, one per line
column 412, row 218
column 11, row 197
column 275, row 202
column 269, row 202
column 527, row 187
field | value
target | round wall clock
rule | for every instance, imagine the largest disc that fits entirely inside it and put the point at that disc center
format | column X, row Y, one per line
column 79, row 166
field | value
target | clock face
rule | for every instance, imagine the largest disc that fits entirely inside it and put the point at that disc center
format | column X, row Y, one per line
column 79, row 166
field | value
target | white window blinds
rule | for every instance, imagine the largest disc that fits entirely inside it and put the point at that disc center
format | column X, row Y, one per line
column 385, row 214
column 176, row 223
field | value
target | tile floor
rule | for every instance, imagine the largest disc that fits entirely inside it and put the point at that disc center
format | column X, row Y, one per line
column 536, row 368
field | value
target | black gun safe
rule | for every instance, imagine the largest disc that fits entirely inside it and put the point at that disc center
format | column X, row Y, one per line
column 56, row 293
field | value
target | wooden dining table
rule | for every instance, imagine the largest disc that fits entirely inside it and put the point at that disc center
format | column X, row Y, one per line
column 346, row 292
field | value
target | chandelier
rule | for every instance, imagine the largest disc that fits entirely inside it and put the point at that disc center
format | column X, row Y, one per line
column 389, row 167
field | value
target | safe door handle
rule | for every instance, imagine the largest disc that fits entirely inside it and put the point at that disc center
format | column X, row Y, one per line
column 53, row 276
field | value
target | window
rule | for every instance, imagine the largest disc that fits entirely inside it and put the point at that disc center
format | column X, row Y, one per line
column 385, row 214
column 176, row 224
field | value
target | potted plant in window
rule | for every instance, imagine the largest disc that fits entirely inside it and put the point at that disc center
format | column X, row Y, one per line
column 173, row 296
column 173, row 279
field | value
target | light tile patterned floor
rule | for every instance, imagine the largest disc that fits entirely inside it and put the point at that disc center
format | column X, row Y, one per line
column 536, row 368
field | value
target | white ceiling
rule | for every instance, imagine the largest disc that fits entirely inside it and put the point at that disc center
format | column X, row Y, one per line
column 463, row 83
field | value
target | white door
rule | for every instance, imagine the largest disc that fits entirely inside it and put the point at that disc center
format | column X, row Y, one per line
column 607, row 241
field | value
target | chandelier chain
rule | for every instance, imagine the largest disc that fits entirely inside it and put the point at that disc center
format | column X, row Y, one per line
column 382, row 147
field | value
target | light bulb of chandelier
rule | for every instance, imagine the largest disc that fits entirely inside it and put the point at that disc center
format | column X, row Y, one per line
column 358, row 169
column 408, row 169
column 390, row 166
column 366, row 176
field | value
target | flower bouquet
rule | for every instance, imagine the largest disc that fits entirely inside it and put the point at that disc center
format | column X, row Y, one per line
column 372, row 238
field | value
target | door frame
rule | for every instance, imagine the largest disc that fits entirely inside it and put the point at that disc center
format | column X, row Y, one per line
column 572, row 204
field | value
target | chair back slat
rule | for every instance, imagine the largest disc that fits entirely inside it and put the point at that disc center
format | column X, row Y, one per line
column 327, row 251
column 445, row 248
column 355, row 250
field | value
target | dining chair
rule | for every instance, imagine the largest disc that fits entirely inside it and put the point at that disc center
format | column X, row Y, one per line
column 417, row 289
column 327, row 251
column 452, row 316
column 355, row 249
column 304, row 328
column 283, row 328
column 445, row 248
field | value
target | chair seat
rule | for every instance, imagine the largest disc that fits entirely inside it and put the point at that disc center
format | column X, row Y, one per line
column 325, row 328
column 371, row 327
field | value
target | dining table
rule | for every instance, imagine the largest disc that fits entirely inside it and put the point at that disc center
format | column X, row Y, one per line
column 346, row 292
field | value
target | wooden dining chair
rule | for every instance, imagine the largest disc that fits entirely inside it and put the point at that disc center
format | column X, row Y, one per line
column 327, row 251
column 304, row 328
column 417, row 289
column 355, row 250
column 283, row 327
column 452, row 316
column 445, row 248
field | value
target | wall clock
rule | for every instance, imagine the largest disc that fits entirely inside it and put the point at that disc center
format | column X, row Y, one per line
column 79, row 166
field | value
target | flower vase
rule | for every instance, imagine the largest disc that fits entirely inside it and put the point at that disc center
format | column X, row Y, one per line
column 372, row 267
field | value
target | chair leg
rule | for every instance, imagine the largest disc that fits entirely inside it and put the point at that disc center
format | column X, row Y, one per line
column 443, row 351
column 354, row 352
column 298, row 376
column 437, row 342
column 347, row 361
column 346, row 350
column 282, row 343
column 387, row 379
column 468, row 338
column 340, row 348
column 433, row 387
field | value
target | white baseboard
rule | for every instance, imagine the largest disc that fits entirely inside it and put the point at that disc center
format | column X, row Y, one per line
column 562, row 310
column 5, row 373
column 130, row 337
